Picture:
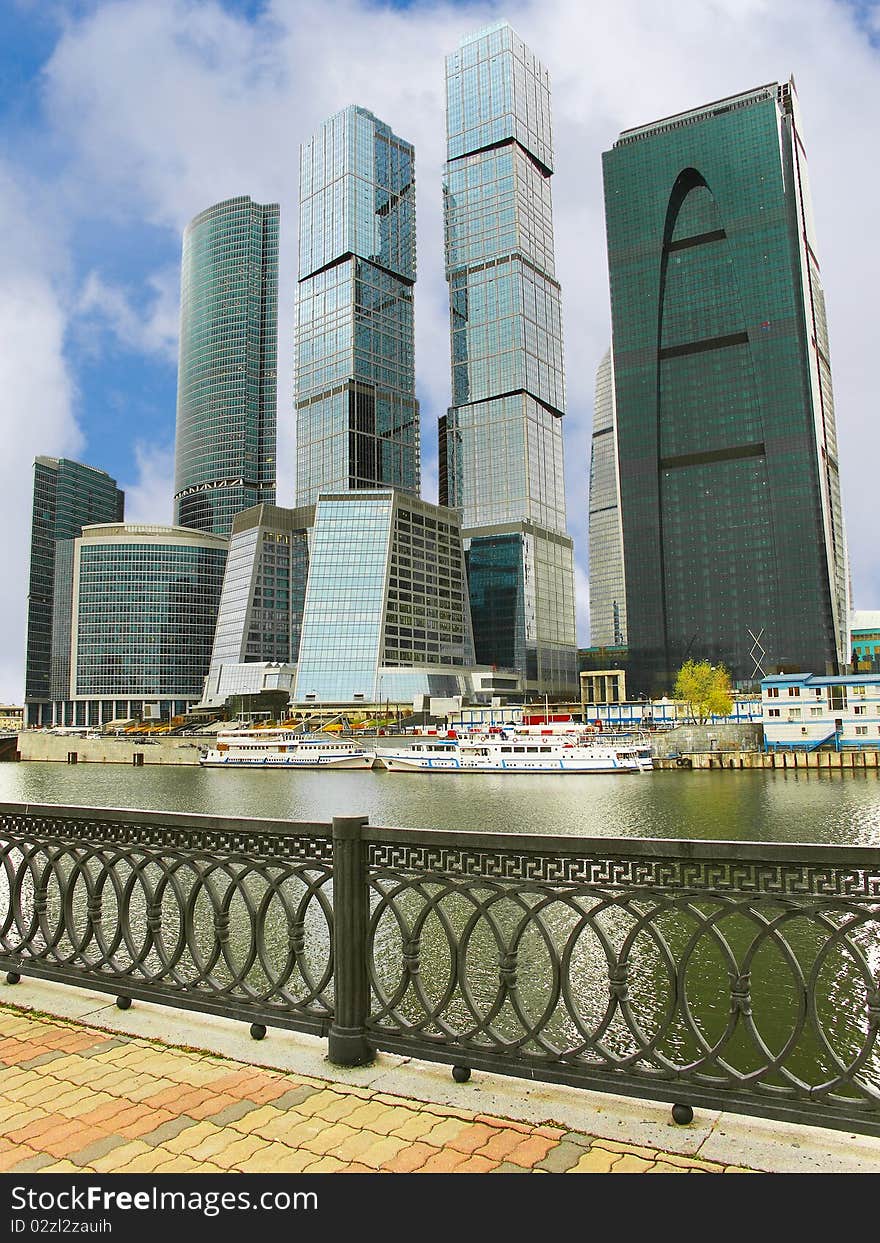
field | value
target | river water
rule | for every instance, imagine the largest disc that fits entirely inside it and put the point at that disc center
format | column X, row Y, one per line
column 741, row 805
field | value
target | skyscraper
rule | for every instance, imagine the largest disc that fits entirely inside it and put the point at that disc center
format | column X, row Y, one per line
column 501, row 440
column 607, row 579
column 144, row 605
column 729, row 488
column 67, row 496
column 226, row 394
column 357, row 418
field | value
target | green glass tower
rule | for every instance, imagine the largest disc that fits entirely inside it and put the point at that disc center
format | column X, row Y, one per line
column 500, row 451
column 357, row 418
column 734, row 545
column 67, row 496
column 226, row 392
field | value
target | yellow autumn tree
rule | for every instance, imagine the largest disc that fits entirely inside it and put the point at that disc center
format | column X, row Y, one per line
column 705, row 688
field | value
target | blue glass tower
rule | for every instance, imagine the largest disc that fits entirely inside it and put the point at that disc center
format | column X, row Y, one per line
column 501, row 440
column 357, row 417
column 226, row 394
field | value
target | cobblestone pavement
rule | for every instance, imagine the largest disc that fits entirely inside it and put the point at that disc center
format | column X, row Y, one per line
column 78, row 1098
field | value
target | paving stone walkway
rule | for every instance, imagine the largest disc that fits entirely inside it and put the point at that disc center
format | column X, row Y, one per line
column 78, row 1098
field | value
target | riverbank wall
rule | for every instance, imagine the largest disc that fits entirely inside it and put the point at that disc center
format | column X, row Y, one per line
column 60, row 748
column 823, row 761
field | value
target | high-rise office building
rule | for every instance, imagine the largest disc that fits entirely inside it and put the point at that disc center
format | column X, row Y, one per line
column 501, row 440
column 141, row 621
column 730, row 498
column 227, row 379
column 67, row 496
column 386, row 614
column 607, row 579
column 357, row 418
column 261, row 607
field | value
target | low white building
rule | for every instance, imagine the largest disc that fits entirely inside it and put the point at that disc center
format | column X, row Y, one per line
column 808, row 711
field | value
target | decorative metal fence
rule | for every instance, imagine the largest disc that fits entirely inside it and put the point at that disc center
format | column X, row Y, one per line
column 229, row 916
column 728, row 975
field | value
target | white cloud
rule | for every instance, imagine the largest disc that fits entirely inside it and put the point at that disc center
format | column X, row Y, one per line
column 153, row 329
column 193, row 104
column 36, row 401
column 149, row 498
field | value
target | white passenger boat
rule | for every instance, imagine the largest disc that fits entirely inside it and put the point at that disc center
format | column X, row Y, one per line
column 517, row 753
column 282, row 748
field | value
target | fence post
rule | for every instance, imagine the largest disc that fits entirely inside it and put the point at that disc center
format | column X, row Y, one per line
column 347, row 1042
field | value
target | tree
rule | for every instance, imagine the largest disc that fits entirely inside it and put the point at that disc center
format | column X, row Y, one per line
column 705, row 689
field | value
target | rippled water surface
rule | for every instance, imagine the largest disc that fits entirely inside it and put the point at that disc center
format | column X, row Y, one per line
column 741, row 805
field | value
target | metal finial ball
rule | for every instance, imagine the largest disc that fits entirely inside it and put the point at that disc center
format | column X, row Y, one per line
column 682, row 1114
column 461, row 1074
column 258, row 1031
column 12, row 977
column 123, row 1003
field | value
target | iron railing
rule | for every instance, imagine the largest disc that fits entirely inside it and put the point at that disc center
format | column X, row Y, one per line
column 727, row 975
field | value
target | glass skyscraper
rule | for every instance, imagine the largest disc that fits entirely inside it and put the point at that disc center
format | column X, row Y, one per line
column 501, row 440
column 226, row 394
column 67, row 496
column 607, row 579
column 727, row 450
column 357, row 418
column 144, row 606
column 386, row 613
column 261, row 607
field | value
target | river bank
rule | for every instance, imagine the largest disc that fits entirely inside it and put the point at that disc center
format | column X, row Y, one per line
column 685, row 749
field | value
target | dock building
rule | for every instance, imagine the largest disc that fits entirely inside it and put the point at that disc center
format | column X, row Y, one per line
column 805, row 711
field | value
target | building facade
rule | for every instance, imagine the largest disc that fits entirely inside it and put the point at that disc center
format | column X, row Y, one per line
column 357, row 418
column 500, row 453
column 144, row 606
column 607, row 577
column 865, row 631
column 733, row 535
column 68, row 495
column 261, row 605
column 803, row 711
column 386, row 614
column 227, row 378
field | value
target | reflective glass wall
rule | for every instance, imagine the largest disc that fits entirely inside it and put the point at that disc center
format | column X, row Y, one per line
column 145, row 604
column 357, row 416
column 227, row 381
column 501, row 448
column 729, row 489
column 607, row 581
column 67, row 496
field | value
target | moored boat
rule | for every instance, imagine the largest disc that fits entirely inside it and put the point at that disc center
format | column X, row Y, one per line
column 517, row 753
column 281, row 748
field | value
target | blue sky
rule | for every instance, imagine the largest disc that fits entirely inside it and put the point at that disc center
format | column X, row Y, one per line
column 120, row 119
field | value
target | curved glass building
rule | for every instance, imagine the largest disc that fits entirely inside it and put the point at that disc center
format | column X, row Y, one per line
column 226, row 394
column 144, row 607
column 729, row 487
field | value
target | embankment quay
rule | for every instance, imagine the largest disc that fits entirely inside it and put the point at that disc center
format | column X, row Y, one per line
column 676, row 749
column 645, row 999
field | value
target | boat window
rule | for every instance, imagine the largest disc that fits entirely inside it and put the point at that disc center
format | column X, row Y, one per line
column 544, row 748
column 508, row 749
column 519, row 748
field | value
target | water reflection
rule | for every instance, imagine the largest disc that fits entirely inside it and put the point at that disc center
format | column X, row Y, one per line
column 740, row 805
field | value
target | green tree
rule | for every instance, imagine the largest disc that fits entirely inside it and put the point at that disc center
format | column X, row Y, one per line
column 705, row 689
